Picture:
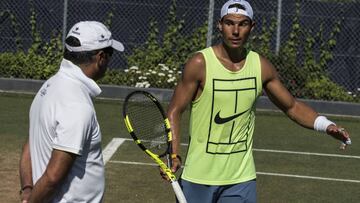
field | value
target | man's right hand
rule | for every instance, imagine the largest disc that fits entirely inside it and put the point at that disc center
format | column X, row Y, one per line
column 176, row 165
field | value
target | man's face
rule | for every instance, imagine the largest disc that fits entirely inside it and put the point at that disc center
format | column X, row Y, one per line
column 235, row 29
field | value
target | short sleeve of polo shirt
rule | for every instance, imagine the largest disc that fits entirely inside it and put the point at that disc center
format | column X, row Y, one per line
column 74, row 124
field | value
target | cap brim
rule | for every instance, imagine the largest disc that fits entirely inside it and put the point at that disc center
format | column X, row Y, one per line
column 117, row 45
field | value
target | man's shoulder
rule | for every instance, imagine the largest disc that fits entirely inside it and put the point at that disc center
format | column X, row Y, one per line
column 64, row 83
column 197, row 59
column 63, row 89
column 251, row 52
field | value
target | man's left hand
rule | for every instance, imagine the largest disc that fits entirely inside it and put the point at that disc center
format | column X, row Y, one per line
column 339, row 133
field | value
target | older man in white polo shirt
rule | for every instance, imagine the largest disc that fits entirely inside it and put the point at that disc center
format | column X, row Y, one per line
column 62, row 160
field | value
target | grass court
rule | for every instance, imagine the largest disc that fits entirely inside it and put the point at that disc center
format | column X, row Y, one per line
column 293, row 164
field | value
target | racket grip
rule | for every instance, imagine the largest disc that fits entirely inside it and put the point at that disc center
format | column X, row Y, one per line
column 178, row 192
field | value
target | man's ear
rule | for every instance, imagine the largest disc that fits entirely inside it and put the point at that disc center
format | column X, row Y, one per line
column 219, row 26
column 252, row 26
column 100, row 57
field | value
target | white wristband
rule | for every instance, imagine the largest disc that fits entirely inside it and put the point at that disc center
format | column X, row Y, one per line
column 321, row 123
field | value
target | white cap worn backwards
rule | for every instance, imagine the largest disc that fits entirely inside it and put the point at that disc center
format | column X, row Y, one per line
column 92, row 35
column 228, row 8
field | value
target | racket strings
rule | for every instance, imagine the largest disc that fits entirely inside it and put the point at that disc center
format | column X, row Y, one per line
column 148, row 123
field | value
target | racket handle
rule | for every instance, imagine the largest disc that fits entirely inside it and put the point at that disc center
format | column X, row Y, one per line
column 178, row 192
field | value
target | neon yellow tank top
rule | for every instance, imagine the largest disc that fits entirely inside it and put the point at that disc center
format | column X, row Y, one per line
column 222, row 123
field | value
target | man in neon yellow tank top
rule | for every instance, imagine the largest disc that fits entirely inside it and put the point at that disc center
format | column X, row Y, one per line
column 222, row 84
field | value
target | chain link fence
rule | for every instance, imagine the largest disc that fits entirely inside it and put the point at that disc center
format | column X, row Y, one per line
column 313, row 31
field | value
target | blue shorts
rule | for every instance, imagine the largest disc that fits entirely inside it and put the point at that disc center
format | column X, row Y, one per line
column 236, row 193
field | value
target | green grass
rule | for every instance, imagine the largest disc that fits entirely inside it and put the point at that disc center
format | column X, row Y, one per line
column 142, row 183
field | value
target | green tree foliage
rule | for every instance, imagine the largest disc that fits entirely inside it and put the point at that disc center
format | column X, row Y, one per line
column 40, row 61
column 302, row 61
column 159, row 62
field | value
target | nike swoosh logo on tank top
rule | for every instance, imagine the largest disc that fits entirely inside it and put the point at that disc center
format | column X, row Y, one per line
column 223, row 120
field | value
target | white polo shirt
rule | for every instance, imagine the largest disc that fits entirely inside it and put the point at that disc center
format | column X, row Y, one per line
column 62, row 117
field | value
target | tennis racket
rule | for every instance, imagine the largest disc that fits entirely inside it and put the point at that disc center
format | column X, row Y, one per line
column 148, row 125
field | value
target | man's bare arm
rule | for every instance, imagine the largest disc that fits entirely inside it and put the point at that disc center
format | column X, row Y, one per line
column 25, row 170
column 57, row 169
column 188, row 89
column 296, row 110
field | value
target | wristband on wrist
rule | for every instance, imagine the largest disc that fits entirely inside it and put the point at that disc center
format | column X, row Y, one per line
column 25, row 187
column 176, row 156
column 321, row 123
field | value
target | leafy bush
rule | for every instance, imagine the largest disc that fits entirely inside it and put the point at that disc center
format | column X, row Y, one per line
column 22, row 65
column 303, row 74
column 39, row 62
column 323, row 87
column 159, row 62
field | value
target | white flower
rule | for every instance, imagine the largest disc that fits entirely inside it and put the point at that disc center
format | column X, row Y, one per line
column 163, row 66
column 138, row 84
column 161, row 74
column 138, row 72
column 144, row 84
column 133, row 68
column 126, row 70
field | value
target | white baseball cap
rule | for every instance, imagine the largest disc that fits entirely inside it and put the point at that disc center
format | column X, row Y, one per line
column 234, row 10
column 92, row 35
